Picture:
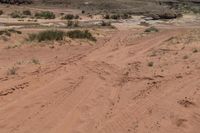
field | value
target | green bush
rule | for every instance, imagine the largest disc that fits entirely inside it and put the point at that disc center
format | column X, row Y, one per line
column 45, row 15
column 81, row 35
column 49, row 35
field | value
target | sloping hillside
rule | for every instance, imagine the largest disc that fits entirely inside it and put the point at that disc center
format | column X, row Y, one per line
column 130, row 6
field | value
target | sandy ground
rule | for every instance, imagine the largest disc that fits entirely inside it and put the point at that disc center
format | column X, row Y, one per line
column 128, row 82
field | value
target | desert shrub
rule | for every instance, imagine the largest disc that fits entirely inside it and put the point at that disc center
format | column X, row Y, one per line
column 106, row 16
column 76, row 24
column 16, row 14
column 83, row 12
column 169, row 15
column 185, row 8
column 195, row 50
column 1, row 12
column 71, row 24
column 32, row 37
column 14, row 31
column 114, row 16
column 144, row 24
column 12, row 71
column 76, row 17
column 49, row 35
column 90, row 15
column 185, row 57
column 8, row 32
column 5, row 32
column 81, row 35
column 165, row 15
column 195, row 10
column 70, row 17
column 27, row 12
column 45, row 15
column 154, row 16
column 125, row 16
column 35, row 61
column 62, row 14
column 150, row 64
column 151, row 29
column 117, row 16
column 105, row 23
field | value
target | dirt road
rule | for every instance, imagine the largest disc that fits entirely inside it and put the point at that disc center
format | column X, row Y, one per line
column 131, row 82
